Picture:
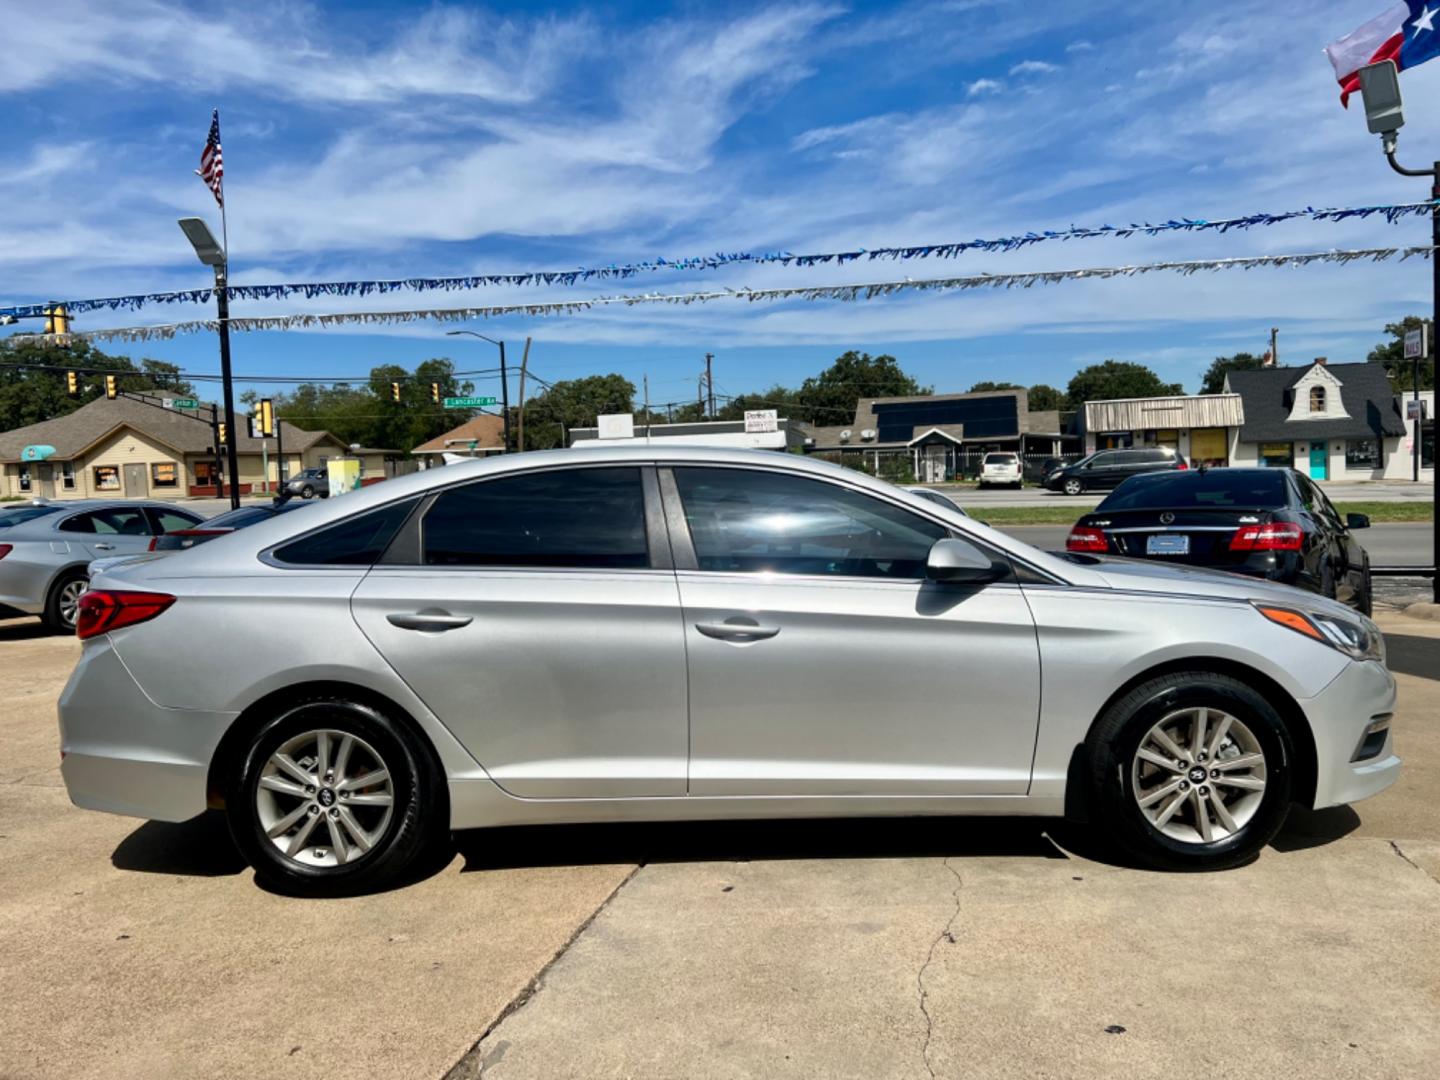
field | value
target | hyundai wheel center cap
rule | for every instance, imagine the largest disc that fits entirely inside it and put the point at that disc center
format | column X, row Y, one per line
column 1197, row 776
column 327, row 796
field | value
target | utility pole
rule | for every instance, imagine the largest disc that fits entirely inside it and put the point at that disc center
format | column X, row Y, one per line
column 647, row 408
column 710, row 382
column 504, row 398
column 524, row 363
column 1274, row 346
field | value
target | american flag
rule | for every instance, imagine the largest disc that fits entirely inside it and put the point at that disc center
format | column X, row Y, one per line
column 212, row 165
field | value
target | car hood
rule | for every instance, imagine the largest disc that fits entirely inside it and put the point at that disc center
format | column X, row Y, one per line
column 1144, row 575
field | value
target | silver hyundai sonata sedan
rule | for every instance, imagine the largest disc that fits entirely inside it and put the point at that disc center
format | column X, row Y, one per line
column 664, row 633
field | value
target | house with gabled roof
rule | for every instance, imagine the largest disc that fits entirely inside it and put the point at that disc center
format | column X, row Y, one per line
column 129, row 448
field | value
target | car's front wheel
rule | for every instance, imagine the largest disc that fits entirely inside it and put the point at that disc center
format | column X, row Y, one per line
column 1074, row 487
column 333, row 797
column 307, row 492
column 1191, row 771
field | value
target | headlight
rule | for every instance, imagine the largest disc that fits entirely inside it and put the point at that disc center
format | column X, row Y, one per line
column 1359, row 639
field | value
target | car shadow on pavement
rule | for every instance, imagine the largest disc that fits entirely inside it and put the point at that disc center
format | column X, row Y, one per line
column 24, row 630
column 1306, row 828
column 1408, row 654
column 200, row 847
column 747, row 841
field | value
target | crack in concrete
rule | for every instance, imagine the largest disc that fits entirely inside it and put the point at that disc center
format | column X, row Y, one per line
column 1395, row 846
column 472, row 1064
column 946, row 934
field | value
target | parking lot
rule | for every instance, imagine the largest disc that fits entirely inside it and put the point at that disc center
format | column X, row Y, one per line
column 901, row 948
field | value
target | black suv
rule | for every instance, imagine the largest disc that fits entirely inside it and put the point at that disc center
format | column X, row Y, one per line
column 1106, row 469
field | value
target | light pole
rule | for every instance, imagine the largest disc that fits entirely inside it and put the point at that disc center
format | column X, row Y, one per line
column 1385, row 114
column 213, row 255
column 504, row 380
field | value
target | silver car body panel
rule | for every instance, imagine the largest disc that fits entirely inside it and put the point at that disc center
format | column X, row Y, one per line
column 590, row 695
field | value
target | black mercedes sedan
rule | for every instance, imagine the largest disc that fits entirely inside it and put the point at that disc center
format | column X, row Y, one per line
column 1270, row 523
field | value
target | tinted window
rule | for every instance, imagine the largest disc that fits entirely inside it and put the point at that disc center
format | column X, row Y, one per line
column 1103, row 461
column 169, row 520
column 745, row 521
column 356, row 541
column 568, row 517
column 1185, row 490
column 25, row 513
column 238, row 519
column 116, row 522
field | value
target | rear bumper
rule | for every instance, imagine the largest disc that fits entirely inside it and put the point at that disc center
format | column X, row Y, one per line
column 1339, row 715
column 124, row 754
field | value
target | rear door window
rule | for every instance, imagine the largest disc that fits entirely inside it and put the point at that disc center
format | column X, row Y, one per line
column 168, row 521
column 117, row 521
column 574, row 518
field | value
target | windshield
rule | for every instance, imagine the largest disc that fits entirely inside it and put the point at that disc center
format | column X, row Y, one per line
column 1199, row 490
column 22, row 514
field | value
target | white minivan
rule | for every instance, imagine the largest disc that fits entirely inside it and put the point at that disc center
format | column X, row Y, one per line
column 1000, row 468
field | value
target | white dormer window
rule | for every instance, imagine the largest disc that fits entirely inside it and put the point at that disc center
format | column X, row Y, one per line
column 1317, row 399
column 1317, row 395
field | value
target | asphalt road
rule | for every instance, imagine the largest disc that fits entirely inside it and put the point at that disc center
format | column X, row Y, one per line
column 1408, row 543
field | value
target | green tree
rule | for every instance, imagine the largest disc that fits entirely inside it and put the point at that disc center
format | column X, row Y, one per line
column 1392, row 354
column 573, row 403
column 1118, row 379
column 984, row 387
column 33, row 384
column 1213, row 381
column 415, row 418
column 831, row 396
column 779, row 398
column 1044, row 398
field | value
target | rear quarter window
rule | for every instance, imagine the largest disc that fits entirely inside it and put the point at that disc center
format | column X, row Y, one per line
column 355, row 541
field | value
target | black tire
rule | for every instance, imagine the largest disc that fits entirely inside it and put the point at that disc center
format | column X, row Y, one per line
column 419, row 813
column 307, row 492
column 1110, row 752
column 325, row 494
column 1327, row 581
column 54, row 616
column 1072, row 486
column 1365, row 596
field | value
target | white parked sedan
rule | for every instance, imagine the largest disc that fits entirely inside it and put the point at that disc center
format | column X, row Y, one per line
column 639, row 633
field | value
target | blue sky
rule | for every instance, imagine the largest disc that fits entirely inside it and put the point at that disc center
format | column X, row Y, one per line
column 371, row 139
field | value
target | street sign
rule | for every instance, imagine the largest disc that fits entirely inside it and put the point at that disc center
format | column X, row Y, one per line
column 761, row 420
column 183, row 403
column 1414, row 410
column 1415, row 344
column 468, row 402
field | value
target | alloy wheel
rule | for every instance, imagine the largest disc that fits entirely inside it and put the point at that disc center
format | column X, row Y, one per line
column 69, row 603
column 1199, row 775
column 331, row 777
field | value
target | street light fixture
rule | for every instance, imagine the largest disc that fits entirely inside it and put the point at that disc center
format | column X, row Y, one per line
column 504, row 380
column 1385, row 114
column 209, row 251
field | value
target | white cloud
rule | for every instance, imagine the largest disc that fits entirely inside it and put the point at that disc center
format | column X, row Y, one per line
column 982, row 86
column 1033, row 67
column 1080, row 46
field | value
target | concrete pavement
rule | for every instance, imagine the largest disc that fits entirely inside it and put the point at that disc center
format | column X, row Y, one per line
column 987, row 948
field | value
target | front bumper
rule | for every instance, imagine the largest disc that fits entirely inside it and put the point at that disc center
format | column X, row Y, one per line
column 124, row 754
column 1339, row 714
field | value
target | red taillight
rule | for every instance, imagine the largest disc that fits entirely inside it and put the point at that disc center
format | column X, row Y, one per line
column 1084, row 538
column 102, row 610
column 1276, row 536
column 5, row 549
column 1182, row 464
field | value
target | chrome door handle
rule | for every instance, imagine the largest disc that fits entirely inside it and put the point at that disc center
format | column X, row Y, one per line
column 104, row 547
column 738, row 628
column 434, row 622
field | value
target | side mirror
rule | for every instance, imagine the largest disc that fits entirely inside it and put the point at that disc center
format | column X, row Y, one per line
column 1357, row 521
column 960, row 562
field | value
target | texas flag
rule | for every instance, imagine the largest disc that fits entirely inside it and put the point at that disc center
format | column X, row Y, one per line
column 1406, row 33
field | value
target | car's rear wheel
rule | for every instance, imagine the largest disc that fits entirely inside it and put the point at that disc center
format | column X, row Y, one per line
column 63, row 605
column 332, row 797
column 1191, row 772
column 1074, row 487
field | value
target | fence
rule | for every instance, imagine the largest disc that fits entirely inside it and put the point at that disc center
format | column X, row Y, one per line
column 936, row 465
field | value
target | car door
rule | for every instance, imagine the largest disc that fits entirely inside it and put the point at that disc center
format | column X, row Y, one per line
column 115, row 530
column 1335, row 544
column 823, row 663
column 1101, row 471
column 539, row 619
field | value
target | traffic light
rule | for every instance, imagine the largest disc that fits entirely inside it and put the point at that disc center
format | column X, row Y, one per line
column 267, row 418
column 72, row 383
column 57, row 320
column 435, row 392
column 112, row 387
column 223, row 433
column 395, row 392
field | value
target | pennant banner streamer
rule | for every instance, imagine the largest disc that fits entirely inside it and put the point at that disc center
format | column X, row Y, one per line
column 858, row 291
column 314, row 289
